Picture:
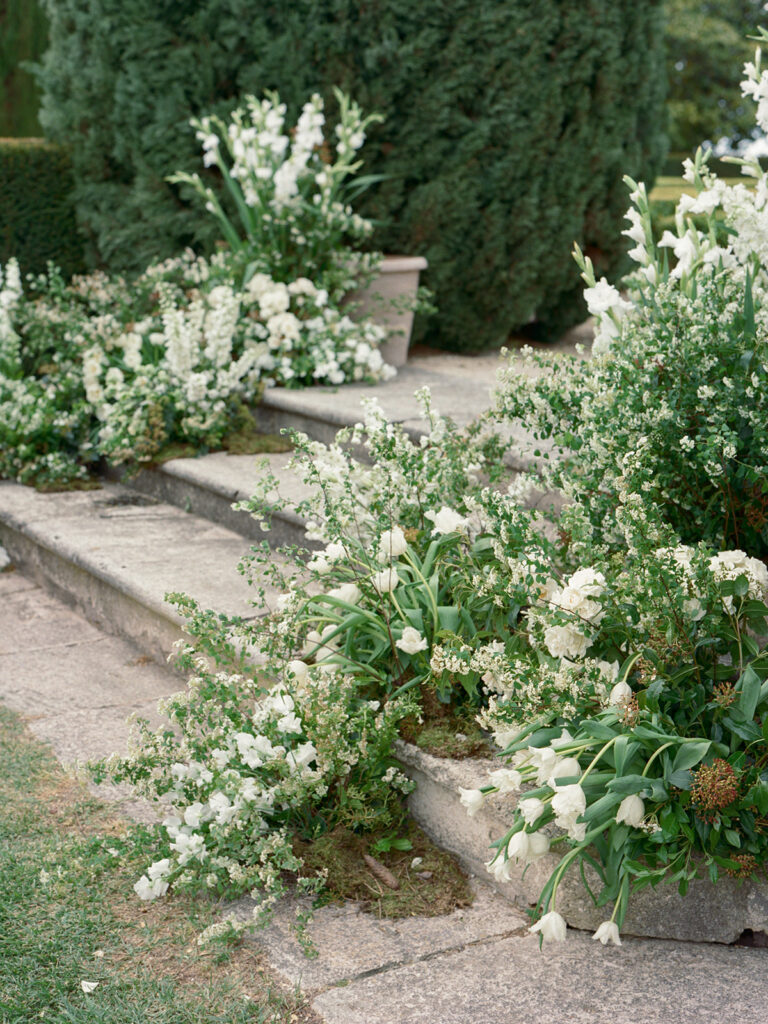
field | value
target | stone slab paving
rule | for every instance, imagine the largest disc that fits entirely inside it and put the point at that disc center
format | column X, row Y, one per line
column 76, row 685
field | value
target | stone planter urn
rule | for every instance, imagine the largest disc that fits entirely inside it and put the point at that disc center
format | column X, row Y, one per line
column 385, row 301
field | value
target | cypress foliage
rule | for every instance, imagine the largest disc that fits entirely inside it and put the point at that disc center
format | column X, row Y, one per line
column 509, row 125
column 23, row 37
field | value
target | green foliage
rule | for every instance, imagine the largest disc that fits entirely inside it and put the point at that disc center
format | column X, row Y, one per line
column 706, row 48
column 507, row 129
column 23, row 37
column 37, row 217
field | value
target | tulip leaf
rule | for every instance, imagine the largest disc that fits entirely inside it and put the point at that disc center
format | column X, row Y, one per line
column 690, row 754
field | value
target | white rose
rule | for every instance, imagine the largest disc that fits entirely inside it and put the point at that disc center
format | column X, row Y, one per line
column 566, row 642
column 411, row 641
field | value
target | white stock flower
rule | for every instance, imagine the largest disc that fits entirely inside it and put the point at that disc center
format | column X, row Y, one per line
column 392, row 544
column 506, row 780
column 472, row 799
column 551, row 926
column 607, row 932
column 447, row 521
column 631, row 811
column 411, row 642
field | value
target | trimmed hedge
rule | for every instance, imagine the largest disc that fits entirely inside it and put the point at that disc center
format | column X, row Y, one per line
column 509, row 125
column 37, row 216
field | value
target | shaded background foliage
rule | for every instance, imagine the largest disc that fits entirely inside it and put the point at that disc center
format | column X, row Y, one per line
column 508, row 128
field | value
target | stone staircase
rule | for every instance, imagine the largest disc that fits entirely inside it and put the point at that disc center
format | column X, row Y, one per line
column 115, row 552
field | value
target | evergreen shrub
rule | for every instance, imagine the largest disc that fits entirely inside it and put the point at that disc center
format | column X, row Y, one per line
column 37, row 216
column 508, row 127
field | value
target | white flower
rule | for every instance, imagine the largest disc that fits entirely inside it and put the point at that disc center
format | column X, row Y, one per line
column 472, row 799
column 384, row 582
column 350, row 593
column 568, row 803
column 552, row 927
column 88, row 986
column 518, row 847
column 566, row 642
column 531, row 809
column 608, row 932
column 563, row 769
column 192, row 815
column 411, row 641
column 506, row 780
column 447, row 521
column 603, row 298
column 392, row 544
column 631, row 811
column 301, row 756
column 298, row 669
column 500, row 868
column 544, row 760
column 538, row 846
column 620, row 695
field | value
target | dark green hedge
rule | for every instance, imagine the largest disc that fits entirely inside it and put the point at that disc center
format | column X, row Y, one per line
column 509, row 124
column 37, row 217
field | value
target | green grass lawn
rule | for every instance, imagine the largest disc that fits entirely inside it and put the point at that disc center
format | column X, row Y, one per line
column 68, row 915
column 669, row 189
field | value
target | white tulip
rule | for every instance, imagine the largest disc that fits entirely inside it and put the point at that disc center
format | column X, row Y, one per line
column 552, row 927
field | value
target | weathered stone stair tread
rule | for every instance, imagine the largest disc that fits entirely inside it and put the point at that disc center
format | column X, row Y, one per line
column 209, row 485
column 116, row 554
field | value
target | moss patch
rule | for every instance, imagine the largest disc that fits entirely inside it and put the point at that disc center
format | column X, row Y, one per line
column 445, row 730
column 431, row 888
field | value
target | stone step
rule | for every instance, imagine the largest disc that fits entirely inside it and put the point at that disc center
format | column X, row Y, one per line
column 208, row 485
column 115, row 554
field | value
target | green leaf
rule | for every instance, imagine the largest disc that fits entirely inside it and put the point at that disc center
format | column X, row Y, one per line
column 690, row 754
column 733, row 838
column 628, row 784
column 680, row 779
column 749, row 685
column 448, row 617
